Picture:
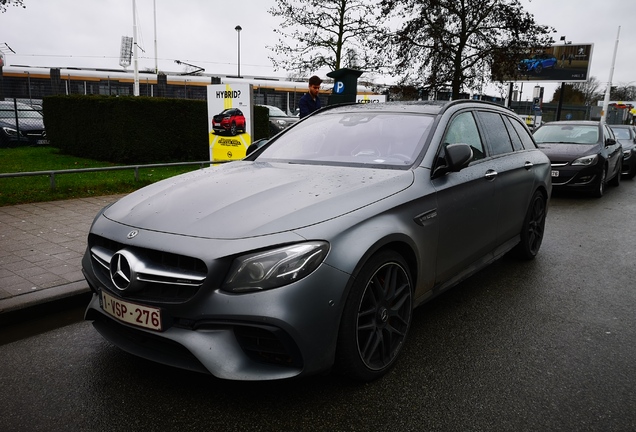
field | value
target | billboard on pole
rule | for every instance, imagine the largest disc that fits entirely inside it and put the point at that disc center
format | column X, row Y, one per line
column 558, row 63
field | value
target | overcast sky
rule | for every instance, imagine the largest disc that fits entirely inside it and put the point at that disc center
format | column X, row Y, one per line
column 87, row 33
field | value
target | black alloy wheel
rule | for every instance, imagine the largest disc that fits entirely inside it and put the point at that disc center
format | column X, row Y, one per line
column 376, row 317
column 600, row 187
column 233, row 129
column 533, row 227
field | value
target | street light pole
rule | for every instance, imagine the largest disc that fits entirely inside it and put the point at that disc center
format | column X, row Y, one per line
column 563, row 56
column 238, row 31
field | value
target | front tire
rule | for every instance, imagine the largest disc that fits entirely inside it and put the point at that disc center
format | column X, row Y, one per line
column 600, row 188
column 376, row 318
column 533, row 228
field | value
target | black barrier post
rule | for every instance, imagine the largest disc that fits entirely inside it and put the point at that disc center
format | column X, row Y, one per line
column 162, row 84
column 345, row 85
column 560, row 105
column 56, row 82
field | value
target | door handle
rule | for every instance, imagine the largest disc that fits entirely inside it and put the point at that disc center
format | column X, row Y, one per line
column 528, row 165
column 491, row 174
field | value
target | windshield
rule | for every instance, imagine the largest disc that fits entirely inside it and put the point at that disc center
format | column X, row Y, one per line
column 621, row 133
column 24, row 111
column 567, row 134
column 276, row 112
column 353, row 139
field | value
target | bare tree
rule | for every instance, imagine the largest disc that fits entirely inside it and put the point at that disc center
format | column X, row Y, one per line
column 623, row 92
column 590, row 90
column 6, row 3
column 453, row 43
column 329, row 34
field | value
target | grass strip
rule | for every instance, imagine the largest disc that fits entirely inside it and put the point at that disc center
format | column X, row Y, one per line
column 20, row 190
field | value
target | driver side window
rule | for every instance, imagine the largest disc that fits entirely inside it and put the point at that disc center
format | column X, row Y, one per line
column 463, row 129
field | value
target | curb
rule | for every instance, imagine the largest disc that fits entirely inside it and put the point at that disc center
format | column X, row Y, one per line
column 37, row 303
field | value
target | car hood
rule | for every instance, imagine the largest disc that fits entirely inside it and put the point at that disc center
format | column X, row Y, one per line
column 626, row 144
column 25, row 124
column 246, row 199
column 564, row 151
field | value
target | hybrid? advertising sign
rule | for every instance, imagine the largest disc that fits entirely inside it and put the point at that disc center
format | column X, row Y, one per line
column 370, row 98
column 229, row 120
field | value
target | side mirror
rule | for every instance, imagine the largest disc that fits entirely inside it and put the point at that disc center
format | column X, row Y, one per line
column 609, row 142
column 256, row 145
column 457, row 157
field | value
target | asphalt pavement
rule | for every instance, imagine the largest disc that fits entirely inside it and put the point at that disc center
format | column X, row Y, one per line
column 41, row 248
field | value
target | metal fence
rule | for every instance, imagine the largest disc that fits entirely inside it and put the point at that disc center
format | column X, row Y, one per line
column 52, row 173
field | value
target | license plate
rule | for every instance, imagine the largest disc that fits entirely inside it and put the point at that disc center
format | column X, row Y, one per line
column 217, row 124
column 555, row 173
column 132, row 313
column 43, row 142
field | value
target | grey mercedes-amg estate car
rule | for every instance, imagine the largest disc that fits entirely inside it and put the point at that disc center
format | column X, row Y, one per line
column 313, row 251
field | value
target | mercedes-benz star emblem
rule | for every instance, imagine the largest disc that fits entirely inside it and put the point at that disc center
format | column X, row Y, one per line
column 122, row 270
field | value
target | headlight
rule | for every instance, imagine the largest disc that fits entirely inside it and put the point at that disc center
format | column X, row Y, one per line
column 281, row 122
column 627, row 154
column 10, row 131
column 586, row 160
column 274, row 268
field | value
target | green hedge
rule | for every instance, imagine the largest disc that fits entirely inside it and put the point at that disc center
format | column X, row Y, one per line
column 135, row 130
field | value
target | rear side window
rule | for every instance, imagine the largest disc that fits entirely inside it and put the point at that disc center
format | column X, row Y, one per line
column 495, row 132
column 514, row 137
column 526, row 138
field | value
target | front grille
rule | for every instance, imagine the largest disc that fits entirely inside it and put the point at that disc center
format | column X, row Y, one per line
column 163, row 277
column 559, row 164
column 35, row 134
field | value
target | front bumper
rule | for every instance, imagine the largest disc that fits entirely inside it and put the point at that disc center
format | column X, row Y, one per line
column 279, row 333
column 584, row 178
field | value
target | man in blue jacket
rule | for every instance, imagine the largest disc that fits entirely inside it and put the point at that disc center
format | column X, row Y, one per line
column 310, row 101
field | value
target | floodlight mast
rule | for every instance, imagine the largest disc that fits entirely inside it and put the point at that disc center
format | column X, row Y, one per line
column 135, row 63
column 608, row 89
column 125, row 51
column 154, row 11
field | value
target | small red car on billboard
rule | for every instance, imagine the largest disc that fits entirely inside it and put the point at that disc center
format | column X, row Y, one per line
column 229, row 121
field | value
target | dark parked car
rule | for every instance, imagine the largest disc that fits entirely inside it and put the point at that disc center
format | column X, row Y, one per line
column 278, row 119
column 626, row 135
column 229, row 121
column 537, row 63
column 585, row 155
column 314, row 250
column 28, row 130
